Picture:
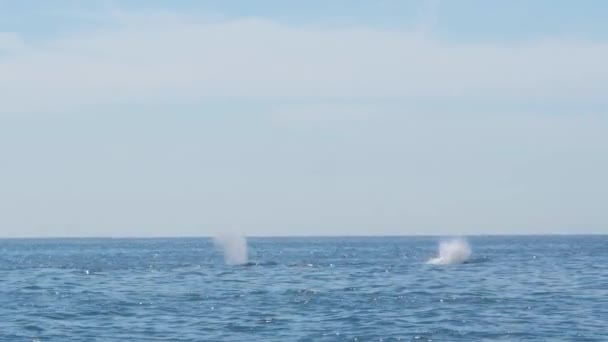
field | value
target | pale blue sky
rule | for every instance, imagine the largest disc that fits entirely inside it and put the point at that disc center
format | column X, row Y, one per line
column 318, row 117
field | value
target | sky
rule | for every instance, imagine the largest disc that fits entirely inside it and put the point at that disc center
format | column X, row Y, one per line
column 388, row 117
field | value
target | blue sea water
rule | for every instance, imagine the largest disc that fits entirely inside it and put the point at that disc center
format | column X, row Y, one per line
column 537, row 288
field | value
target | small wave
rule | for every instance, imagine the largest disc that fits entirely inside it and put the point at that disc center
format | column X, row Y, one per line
column 248, row 264
column 32, row 287
column 267, row 263
column 260, row 264
column 477, row 260
column 455, row 251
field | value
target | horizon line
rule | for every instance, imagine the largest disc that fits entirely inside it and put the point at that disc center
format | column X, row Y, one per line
column 300, row 236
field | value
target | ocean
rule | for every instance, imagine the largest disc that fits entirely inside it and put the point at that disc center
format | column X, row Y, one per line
column 510, row 288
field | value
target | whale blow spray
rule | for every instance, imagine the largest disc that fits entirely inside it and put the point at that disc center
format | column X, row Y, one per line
column 234, row 247
column 455, row 251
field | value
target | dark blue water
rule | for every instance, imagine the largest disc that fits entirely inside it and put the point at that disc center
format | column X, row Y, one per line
column 304, row 289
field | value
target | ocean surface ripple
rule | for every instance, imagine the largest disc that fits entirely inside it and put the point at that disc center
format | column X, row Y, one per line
column 539, row 288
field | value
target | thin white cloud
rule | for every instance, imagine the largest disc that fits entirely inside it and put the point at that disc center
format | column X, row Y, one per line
column 326, row 112
column 164, row 58
column 10, row 42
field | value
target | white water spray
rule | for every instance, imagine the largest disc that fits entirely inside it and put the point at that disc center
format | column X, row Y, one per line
column 455, row 251
column 234, row 247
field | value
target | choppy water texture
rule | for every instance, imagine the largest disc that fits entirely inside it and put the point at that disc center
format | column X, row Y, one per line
column 304, row 289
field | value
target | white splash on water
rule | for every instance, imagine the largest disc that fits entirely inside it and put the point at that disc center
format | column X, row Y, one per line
column 234, row 247
column 455, row 251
